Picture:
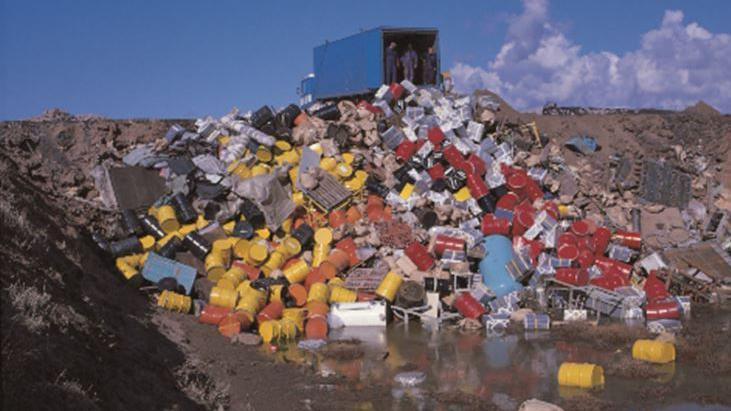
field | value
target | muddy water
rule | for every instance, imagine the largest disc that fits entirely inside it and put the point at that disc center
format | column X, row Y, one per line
column 467, row 370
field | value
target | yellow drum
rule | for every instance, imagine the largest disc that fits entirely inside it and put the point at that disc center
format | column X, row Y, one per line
column 222, row 297
column 653, row 351
column 288, row 329
column 215, row 266
column 275, row 293
column 389, row 286
column 342, row 295
column 318, row 292
column 335, row 282
column 174, row 302
column 269, row 330
column 232, row 278
column 297, row 272
column 297, row 315
column 275, row 261
column 582, row 375
column 257, row 254
column 167, row 219
column 241, row 248
column 252, row 301
column 222, row 247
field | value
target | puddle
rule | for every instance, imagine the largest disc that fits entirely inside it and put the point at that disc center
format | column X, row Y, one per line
column 468, row 369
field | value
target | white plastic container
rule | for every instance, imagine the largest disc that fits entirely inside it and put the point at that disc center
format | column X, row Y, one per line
column 371, row 313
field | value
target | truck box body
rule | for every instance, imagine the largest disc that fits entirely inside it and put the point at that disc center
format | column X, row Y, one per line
column 355, row 65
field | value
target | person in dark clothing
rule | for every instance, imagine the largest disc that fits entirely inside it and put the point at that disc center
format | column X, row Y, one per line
column 409, row 61
column 391, row 63
column 430, row 67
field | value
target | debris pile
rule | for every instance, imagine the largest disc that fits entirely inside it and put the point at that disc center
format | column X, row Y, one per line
column 416, row 202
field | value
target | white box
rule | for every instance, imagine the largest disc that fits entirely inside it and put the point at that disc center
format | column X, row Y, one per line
column 371, row 313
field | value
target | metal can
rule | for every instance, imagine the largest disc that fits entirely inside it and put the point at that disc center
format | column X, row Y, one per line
column 600, row 240
column 582, row 375
column 167, row 219
column 297, row 272
column 629, row 239
column 523, row 221
column 468, row 306
column 443, row 242
column 272, row 311
column 574, row 276
column 389, row 286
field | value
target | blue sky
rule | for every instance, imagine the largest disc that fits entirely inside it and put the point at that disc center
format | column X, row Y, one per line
column 192, row 58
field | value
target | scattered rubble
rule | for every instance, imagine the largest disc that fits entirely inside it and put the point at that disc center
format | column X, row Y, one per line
column 475, row 219
column 415, row 205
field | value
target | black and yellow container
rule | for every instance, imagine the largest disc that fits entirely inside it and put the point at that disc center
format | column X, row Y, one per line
column 174, row 302
column 197, row 245
column 185, row 211
column 151, row 227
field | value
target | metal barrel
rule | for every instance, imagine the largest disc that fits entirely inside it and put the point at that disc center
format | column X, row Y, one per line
column 151, row 227
column 127, row 246
column 186, row 212
column 171, row 248
column 131, row 222
column 197, row 245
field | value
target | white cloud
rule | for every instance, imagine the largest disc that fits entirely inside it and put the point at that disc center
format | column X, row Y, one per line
column 675, row 66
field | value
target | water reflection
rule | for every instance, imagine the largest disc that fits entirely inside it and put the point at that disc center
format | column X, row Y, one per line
column 503, row 369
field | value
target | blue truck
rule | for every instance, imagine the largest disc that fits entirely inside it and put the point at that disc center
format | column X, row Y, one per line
column 355, row 65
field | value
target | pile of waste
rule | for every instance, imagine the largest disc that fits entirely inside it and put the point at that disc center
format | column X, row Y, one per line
column 415, row 205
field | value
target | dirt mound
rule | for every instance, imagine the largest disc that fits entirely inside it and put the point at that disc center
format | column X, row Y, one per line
column 73, row 335
column 702, row 108
column 58, row 156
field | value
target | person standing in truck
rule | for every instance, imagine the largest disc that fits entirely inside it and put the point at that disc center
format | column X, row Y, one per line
column 409, row 61
column 430, row 67
column 391, row 63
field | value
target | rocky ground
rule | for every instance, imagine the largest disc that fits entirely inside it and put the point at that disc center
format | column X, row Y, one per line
column 73, row 336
